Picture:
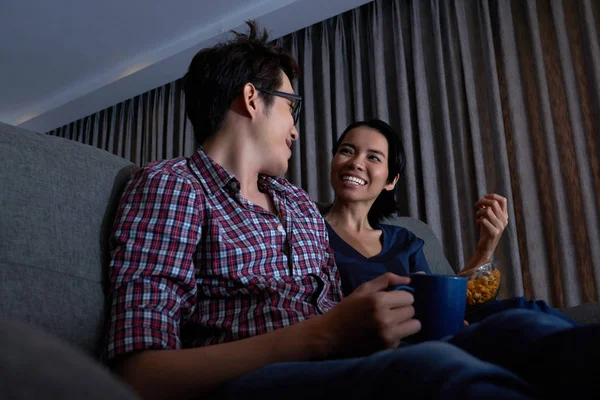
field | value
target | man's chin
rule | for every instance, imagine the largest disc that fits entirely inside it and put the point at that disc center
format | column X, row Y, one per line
column 275, row 171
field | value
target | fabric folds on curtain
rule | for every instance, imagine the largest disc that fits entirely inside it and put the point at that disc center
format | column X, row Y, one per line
column 488, row 96
column 148, row 127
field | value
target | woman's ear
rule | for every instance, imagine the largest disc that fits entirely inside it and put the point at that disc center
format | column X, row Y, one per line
column 392, row 184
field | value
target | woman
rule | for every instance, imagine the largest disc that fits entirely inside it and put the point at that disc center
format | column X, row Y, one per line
column 367, row 163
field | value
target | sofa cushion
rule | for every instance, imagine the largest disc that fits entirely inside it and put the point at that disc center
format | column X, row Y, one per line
column 57, row 203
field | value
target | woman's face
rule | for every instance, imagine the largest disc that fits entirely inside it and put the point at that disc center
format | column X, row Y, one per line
column 359, row 169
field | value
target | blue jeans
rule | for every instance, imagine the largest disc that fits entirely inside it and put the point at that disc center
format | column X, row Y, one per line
column 484, row 360
column 493, row 307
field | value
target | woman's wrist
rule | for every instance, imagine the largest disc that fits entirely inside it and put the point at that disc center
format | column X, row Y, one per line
column 479, row 258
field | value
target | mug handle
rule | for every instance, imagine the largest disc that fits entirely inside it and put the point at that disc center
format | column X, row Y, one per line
column 402, row 287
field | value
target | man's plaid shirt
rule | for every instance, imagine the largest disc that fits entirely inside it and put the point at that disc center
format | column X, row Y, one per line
column 194, row 263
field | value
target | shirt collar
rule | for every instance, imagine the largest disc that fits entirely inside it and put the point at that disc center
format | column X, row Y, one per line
column 274, row 183
column 214, row 177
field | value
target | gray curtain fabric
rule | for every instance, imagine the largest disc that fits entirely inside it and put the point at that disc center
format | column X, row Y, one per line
column 148, row 127
column 489, row 96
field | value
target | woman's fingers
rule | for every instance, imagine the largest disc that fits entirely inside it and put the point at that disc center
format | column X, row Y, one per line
column 489, row 215
column 493, row 205
column 493, row 230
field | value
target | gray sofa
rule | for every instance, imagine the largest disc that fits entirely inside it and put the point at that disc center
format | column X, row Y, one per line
column 57, row 201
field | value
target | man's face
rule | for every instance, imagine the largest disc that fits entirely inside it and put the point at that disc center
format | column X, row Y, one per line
column 276, row 132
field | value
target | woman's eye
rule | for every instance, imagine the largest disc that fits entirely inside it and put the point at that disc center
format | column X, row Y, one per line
column 374, row 158
column 345, row 151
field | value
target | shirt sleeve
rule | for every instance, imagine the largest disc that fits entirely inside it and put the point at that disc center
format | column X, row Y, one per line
column 331, row 267
column 417, row 260
column 152, row 287
column 328, row 264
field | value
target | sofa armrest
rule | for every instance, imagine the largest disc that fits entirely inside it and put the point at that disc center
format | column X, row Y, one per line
column 38, row 365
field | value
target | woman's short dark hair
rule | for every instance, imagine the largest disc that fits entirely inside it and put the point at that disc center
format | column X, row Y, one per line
column 385, row 204
column 217, row 75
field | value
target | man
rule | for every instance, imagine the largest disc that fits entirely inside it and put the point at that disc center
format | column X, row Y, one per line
column 222, row 281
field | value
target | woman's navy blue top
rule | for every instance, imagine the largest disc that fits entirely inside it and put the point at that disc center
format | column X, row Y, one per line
column 401, row 253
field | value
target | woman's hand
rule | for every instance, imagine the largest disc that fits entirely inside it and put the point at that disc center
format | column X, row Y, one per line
column 492, row 219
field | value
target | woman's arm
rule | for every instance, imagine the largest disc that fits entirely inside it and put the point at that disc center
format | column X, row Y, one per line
column 492, row 219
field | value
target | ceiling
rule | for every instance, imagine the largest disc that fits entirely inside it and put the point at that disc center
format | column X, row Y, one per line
column 65, row 59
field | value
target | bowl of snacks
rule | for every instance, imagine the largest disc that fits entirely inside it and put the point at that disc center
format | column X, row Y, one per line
column 483, row 284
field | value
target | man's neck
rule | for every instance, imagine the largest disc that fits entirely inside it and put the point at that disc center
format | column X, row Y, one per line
column 229, row 150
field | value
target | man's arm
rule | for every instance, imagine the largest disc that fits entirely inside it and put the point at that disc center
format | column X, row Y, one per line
column 152, row 287
column 193, row 373
column 370, row 319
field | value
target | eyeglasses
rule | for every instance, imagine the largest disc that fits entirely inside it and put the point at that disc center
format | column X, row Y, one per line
column 297, row 101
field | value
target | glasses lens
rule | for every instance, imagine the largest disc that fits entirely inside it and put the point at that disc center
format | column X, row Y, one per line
column 296, row 112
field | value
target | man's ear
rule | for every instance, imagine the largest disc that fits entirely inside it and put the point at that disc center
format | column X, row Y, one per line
column 250, row 97
column 392, row 184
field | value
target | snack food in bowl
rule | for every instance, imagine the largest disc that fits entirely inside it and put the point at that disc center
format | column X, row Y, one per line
column 483, row 283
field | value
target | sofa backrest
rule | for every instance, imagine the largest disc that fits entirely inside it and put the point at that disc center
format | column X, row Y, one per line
column 434, row 253
column 57, row 200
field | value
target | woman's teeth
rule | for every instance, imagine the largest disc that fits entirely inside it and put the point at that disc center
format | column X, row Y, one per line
column 352, row 179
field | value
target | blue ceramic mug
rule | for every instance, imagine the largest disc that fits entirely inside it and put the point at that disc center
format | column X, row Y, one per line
column 439, row 305
column 440, row 302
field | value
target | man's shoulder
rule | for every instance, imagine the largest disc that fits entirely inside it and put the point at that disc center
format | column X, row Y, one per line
column 166, row 173
column 293, row 190
column 176, row 167
column 298, row 195
column 173, row 177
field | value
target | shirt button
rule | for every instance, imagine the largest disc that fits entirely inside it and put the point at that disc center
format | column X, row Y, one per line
column 280, row 229
column 233, row 185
